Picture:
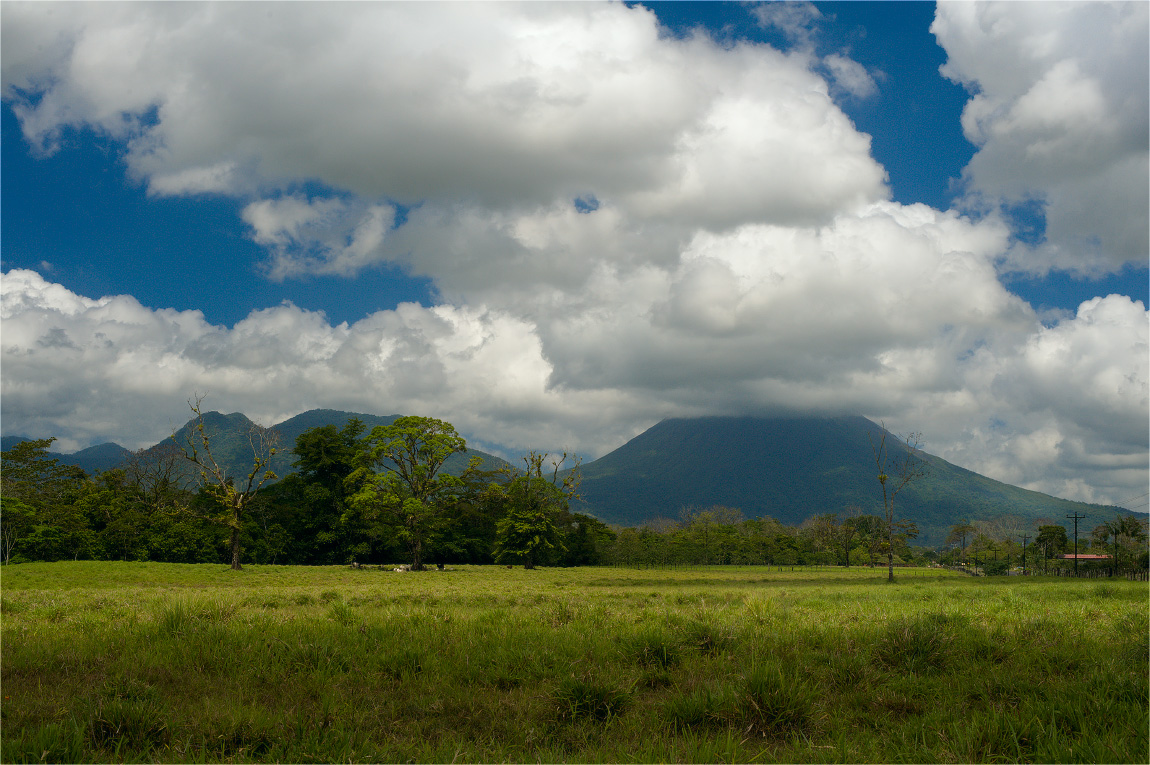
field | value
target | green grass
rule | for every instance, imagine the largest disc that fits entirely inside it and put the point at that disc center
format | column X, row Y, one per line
column 174, row 663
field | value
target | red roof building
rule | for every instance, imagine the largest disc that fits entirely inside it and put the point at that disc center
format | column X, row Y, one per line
column 1084, row 556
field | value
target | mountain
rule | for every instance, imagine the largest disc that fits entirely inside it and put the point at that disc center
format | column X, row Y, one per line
column 228, row 435
column 94, row 459
column 790, row 469
column 98, row 458
column 230, row 446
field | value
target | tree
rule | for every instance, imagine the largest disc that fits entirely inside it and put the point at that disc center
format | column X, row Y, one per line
column 39, row 494
column 230, row 501
column 528, row 532
column 823, row 531
column 408, row 492
column 160, row 477
column 960, row 531
column 1051, row 538
column 871, row 534
column 848, row 532
column 829, row 534
column 325, row 456
column 895, row 472
column 1125, row 529
column 474, row 509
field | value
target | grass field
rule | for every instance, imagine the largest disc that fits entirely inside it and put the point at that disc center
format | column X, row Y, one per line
column 174, row 663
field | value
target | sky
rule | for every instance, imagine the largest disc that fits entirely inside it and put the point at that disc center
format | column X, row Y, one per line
column 555, row 224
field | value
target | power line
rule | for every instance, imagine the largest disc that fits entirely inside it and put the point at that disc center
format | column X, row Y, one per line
column 1131, row 499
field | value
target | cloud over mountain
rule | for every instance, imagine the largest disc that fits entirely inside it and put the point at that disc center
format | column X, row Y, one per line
column 620, row 225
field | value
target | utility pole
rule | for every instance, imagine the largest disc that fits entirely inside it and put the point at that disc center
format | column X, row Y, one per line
column 1024, row 540
column 1076, row 518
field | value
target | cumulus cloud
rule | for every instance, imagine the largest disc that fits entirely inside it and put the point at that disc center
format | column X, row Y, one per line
column 73, row 365
column 742, row 323
column 319, row 236
column 502, row 105
column 740, row 255
column 1059, row 110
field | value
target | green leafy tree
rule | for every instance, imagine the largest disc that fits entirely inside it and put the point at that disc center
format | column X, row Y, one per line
column 400, row 483
column 1127, row 532
column 474, row 511
column 325, row 457
column 829, row 535
column 230, row 498
column 17, row 518
column 1052, row 540
column 872, row 536
column 585, row 538
column 119, row 519
column 528, row 533
column 848, row 533
column 38, row 518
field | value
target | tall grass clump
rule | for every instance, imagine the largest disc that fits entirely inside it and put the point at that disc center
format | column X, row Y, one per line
column 578, row 697
column 925, row 643
column 777, row 705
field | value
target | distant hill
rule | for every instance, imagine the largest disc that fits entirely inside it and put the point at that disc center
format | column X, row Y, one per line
column 228, row 434
column 785, row 468
column 790, row 469
column 94, row 459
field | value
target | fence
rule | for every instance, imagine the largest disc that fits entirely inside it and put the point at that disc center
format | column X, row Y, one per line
column 1101, row 573
column 1092, row 573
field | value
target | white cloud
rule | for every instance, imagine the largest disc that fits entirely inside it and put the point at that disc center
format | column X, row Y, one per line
column 850, row 76
column 795, row 20
column 895, row 313
column 501, row 105
column 1059, row 110
column 741, row 254
column 319, row 236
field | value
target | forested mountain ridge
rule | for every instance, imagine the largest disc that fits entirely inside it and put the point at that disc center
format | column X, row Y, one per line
column 94, row 459
column 229, row 442
column 791, row 469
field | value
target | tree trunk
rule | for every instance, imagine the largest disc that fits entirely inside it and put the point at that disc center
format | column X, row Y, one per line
column 417, row 556
column 236, row 550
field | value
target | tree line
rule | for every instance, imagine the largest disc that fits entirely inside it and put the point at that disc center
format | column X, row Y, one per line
column 999, row 544
column 383, row 496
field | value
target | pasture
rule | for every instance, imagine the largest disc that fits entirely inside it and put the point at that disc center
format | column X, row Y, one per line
column 190, row 663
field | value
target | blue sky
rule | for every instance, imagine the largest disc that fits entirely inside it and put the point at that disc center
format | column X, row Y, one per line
column 557, row 224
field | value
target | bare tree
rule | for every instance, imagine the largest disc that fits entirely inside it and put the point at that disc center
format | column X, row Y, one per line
column 232, row 500
column 898, row 467
column 161, row 477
